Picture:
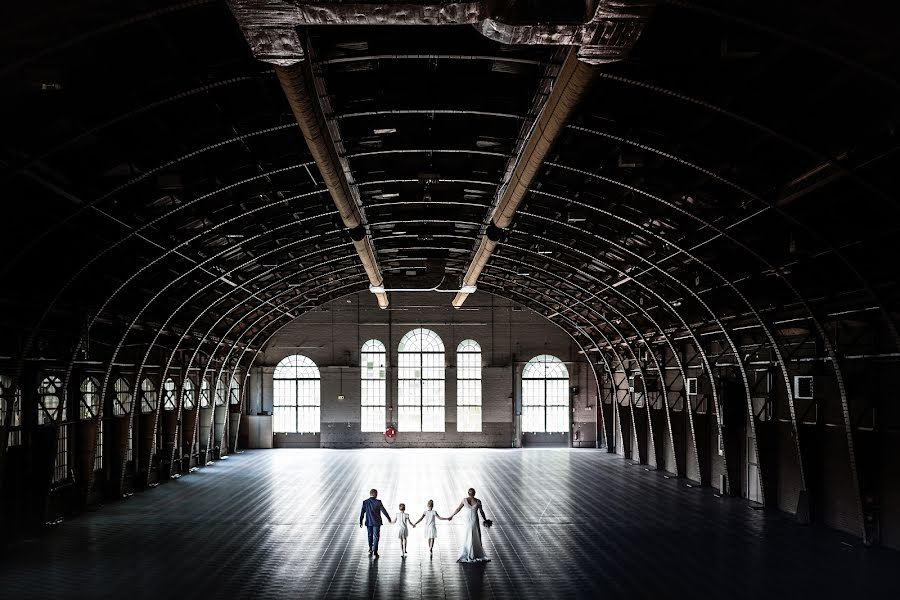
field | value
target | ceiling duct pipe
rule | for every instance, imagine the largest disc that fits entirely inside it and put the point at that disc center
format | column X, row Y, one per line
column 571, row 83
column 295, row 82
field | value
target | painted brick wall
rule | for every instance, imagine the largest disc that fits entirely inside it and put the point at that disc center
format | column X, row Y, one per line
column 508, row 336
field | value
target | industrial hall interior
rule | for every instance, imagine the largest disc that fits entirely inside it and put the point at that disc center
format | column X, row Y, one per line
column 476, row 299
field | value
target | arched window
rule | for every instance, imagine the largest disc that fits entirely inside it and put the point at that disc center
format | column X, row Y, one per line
column 468, row 386
column 90, row 408
column 122, row 404
column 220, row 392
column 170, row 400
column 373, row 394
column 545, row 395
column 421, row 382
column 187, row 394
column 234, row 392
column 123, row 398
column 297, row 398
column 50, row 399
column 52, row 408
column 11, row 399
column 204, row 392
column 90, row 398
column 148, row 396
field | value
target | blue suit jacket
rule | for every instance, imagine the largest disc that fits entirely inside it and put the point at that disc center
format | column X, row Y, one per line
column 371, row 510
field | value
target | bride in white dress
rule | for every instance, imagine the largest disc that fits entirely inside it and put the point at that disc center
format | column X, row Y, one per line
column 471, row 550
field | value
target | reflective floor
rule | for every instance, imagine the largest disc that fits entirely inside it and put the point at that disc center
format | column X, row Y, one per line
column 567, row 523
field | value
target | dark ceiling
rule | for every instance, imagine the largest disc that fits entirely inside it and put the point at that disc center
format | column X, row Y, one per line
column 738, row 167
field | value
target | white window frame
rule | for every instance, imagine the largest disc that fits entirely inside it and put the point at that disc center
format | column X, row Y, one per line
column 421, row 397
column 468, row 387
column 297, row 385
column 373, row 386
column 545, row 395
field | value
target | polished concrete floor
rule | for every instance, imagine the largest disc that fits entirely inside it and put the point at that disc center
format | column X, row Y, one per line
column 568, row 524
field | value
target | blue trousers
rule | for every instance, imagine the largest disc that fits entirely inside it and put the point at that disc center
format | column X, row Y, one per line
column 374, row 532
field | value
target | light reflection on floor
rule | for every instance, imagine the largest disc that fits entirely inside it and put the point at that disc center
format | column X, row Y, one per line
column 568, row 524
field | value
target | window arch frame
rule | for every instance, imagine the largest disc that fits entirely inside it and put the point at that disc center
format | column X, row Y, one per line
column 415, row 361
column 188, row 398
column 307, row 386
column 536, row 398
column 149, row 396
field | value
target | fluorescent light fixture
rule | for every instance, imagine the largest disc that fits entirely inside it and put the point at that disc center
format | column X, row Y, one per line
column 384, row 130
column 545, row 251
column 235, row 235
column 376, row 289
column 468, row 289
column 228, row 281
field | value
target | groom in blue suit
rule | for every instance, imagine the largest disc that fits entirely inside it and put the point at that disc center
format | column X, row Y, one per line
column 371, row 510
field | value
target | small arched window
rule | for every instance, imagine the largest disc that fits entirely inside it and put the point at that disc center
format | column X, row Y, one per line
column 204, row 392
column 148, row 396
column 90, row 398
column 420, row 376
column 545, row 395
column 297, row 403
column 468, row 386
column 220, row 392
column 123, row 398
column 373, row 383
column 50, row 400
column 234, row 392
column 187, row 394
column 170, row 398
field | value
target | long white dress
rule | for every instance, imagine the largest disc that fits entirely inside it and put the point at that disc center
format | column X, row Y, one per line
column 430, row 524
column 402, row 519
column 471, row 550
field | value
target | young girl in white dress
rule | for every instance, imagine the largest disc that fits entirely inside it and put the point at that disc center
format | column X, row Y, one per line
column 430, row 527
column 402, row 521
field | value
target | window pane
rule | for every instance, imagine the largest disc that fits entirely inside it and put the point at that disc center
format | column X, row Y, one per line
column 533, row 419
column 409, row 418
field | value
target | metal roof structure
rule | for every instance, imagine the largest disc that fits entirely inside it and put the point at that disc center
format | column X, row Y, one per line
column 183, row 179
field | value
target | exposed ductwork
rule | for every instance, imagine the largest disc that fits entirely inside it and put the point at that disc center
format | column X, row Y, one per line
column 573, row 79
column 296, row 85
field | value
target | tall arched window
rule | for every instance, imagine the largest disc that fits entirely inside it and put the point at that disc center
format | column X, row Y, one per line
column 53, row 408
column 545, row 395
column 373, row 394
column 297, row 396
column 148, row 396
column 421, row 382
column 122, row 403
column 170, row 400
column 11, row 399
column 90, row 408
column 187, row 394
column 468, row 386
